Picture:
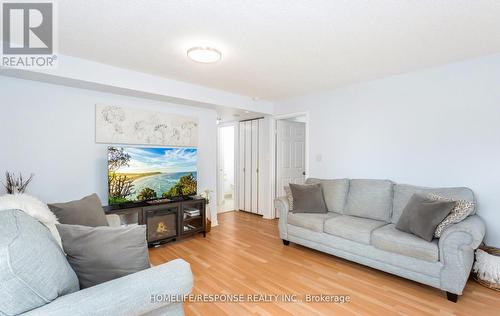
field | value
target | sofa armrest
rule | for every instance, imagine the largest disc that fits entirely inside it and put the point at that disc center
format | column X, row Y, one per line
column 282, row 208
column 128, row 295
column 456, row 251
column 113, row 220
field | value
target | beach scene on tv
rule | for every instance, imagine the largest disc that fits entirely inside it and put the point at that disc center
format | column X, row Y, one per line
column 140, row 174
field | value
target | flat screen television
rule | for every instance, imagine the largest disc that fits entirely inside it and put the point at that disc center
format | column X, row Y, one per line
column 137, row 174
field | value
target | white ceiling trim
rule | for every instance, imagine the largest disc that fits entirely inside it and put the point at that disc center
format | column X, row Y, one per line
column 81, row 73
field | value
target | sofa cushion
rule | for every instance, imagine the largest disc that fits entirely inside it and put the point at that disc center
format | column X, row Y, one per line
column 353, row 228
column 390, row 239
column 309, row 220
column 403, row 193
column 370, row 199
column 33, row 268
column 335, row 192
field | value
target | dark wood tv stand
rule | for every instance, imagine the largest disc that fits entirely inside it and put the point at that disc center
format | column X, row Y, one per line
column 165, row 221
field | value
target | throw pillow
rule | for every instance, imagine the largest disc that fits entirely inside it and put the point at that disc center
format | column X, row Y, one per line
column 422, row 215
column 100, row 254
column 289, row 196
column 462, row 209
column 87, row 212
column 308, row 198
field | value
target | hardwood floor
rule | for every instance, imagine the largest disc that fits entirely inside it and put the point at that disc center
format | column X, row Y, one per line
column 244, row 255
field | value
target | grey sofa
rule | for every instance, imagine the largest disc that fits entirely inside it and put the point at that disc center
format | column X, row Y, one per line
column 360, row 226
column 36, row 279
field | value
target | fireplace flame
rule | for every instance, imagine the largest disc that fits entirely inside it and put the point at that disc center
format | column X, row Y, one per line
column 161, row 228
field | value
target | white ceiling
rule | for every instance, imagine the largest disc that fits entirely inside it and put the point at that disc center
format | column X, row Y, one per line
column 281, row 48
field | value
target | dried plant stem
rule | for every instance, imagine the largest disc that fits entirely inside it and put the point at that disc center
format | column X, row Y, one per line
column 15, row 184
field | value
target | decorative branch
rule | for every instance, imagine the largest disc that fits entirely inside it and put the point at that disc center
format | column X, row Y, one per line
column 15, row 184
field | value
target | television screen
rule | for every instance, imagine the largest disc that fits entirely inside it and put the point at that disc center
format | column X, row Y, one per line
column 140, row 174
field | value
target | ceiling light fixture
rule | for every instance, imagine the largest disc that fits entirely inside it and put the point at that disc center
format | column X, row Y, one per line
column 206, row 55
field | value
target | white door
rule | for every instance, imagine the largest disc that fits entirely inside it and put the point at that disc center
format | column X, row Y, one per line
column 290, row 154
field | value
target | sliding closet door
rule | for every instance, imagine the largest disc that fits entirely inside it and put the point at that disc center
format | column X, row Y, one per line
column 248, row 166
column 255, row 166
column 241, row 167
column 250, row 161
column 263, row 195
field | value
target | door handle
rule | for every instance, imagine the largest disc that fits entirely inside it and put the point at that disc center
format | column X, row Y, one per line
column 303, row 173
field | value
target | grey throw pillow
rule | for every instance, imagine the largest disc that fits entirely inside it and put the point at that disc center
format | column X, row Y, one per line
column 308, row 198
column 100, row 254
column 422, row 215
column 87, row 212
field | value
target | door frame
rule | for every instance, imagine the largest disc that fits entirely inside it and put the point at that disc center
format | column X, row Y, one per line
column 273, row 150
column 220, row 182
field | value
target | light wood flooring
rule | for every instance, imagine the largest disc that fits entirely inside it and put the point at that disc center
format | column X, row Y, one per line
column 244, row 255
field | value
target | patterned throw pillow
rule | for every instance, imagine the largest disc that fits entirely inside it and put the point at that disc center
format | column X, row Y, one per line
column 462, row 209
column 289, row 197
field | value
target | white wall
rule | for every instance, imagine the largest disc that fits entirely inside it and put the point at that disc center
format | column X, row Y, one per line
column 438, row 127
column 50, row 130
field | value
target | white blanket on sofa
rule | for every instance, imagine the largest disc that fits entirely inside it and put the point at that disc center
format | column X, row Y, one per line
column 33, row 207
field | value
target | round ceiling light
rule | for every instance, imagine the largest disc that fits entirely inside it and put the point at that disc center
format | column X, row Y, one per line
column 206, row 55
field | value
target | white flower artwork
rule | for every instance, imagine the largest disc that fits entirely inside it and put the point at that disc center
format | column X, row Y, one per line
column 119, row 125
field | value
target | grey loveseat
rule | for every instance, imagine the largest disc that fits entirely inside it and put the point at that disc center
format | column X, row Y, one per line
column 36, row 279
column 360, row 226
